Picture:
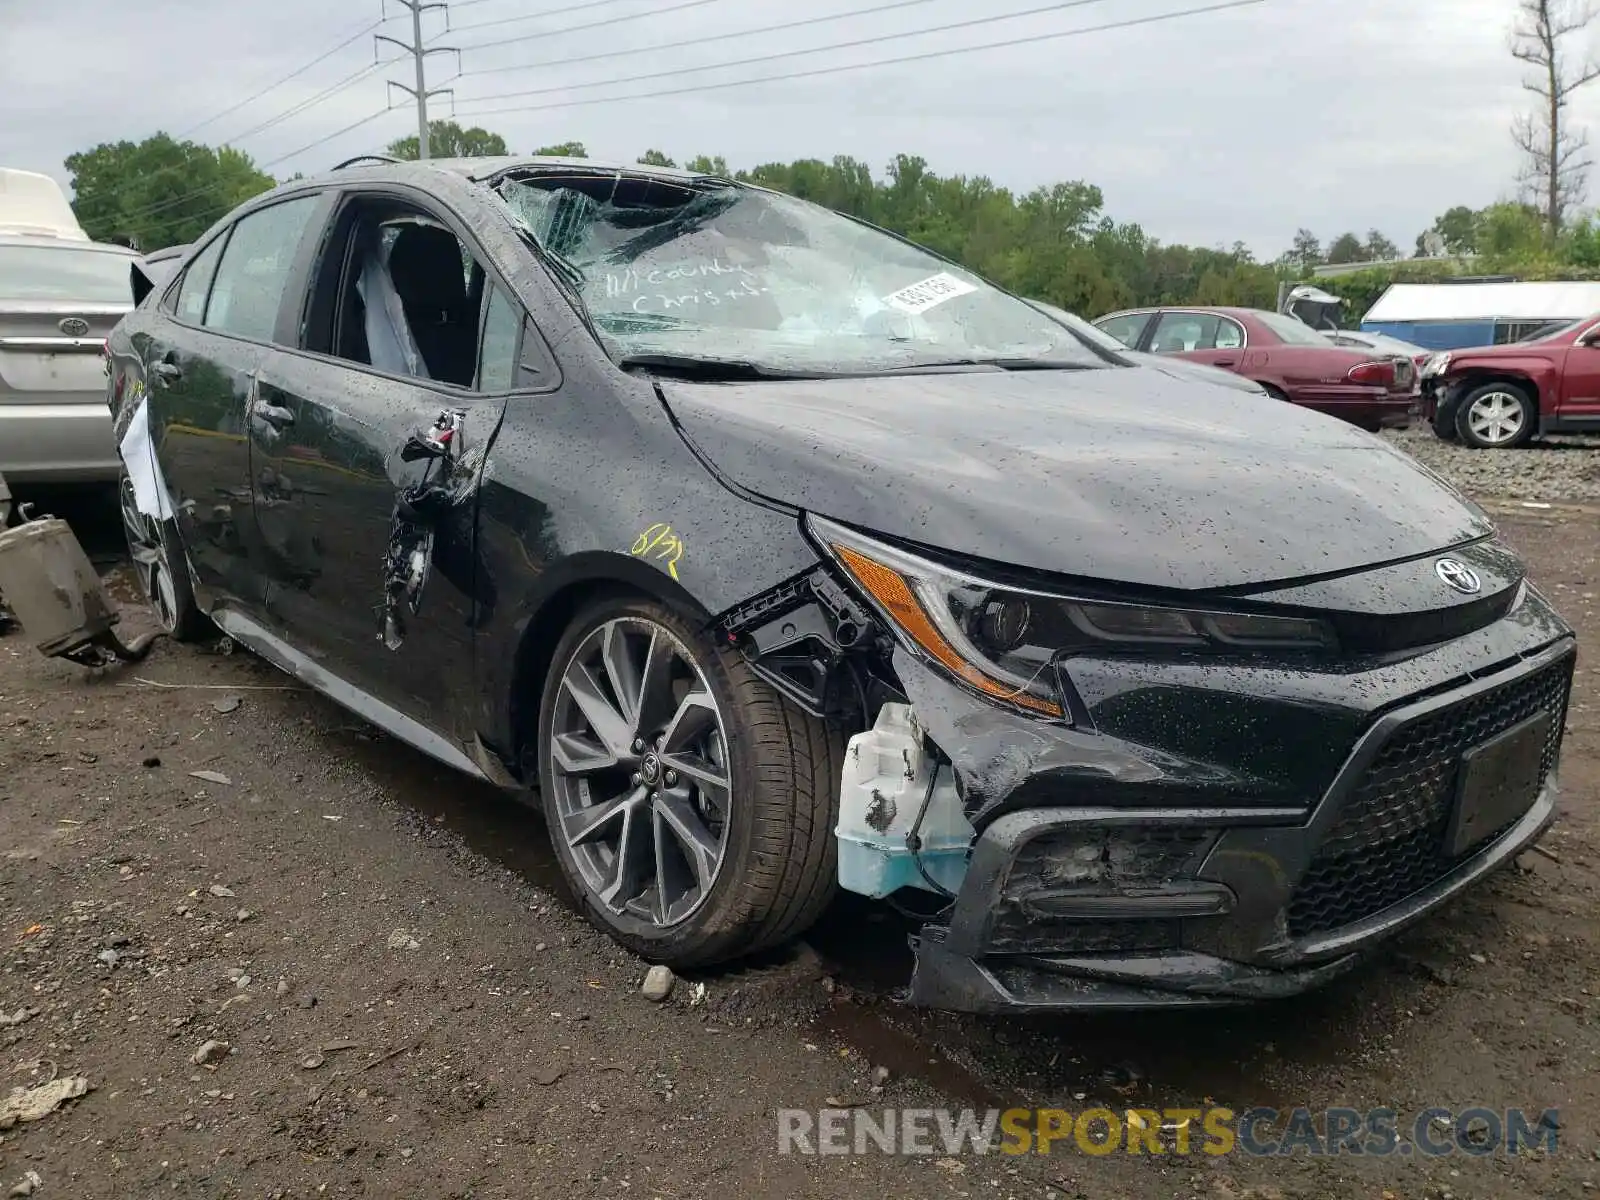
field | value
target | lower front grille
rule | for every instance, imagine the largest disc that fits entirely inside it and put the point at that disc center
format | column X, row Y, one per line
column 1388, row 841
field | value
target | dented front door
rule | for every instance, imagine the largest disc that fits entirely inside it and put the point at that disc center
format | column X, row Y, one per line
column 332, row 480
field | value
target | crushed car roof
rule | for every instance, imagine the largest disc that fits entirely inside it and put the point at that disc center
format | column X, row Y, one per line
column 490, row 166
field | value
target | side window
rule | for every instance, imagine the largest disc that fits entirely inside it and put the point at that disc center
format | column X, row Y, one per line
column 1230, row 334
column 1177, row 333
column 497, row 354
column 196, row 285
column 398, row 291
column 255, row 269
column 1125, row 329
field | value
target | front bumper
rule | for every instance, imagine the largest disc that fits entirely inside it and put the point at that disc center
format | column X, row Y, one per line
column 1247, row 901
column 56, row 442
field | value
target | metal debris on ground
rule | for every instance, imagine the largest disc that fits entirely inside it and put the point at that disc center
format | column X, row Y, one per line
column 211, row 777
column 36, row 1103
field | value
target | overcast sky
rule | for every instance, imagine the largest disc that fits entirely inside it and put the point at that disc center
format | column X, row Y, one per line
column 1242, row 124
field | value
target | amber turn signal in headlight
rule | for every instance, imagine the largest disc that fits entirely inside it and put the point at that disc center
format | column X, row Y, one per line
column 1004, row 641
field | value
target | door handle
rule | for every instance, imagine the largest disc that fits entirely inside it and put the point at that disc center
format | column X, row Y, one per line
column 168, row 372
column 1227, row 362
column 278, row 418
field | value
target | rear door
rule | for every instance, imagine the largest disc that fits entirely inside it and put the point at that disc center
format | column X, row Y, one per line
column 380, row 591
column 1210, row 338
column 200, row 359
column 58, row 302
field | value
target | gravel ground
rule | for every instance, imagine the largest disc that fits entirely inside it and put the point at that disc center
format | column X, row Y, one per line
column 411, row 1008
column 1565, row 468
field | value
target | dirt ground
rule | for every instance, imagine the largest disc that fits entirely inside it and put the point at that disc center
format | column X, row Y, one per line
column 412, row 1008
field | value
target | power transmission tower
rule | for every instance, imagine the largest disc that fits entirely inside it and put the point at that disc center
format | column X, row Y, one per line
column 418, row 53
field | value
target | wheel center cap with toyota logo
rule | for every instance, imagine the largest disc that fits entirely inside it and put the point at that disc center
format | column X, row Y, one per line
column 650, row 768
column 1458, row 575
column 73, row 326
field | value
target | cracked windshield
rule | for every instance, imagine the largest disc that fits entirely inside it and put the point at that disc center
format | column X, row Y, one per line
column 736, row 276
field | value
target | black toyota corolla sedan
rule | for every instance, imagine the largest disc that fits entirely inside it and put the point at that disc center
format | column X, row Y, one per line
column 771, row 554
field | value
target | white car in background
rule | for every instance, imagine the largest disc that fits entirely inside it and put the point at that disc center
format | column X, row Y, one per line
column 60, row 295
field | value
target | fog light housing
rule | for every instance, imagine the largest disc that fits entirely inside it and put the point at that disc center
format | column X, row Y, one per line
column 1099, row 890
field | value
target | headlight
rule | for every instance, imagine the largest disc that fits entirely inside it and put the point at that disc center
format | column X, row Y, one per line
column 1437, row 365
column 1003, row 641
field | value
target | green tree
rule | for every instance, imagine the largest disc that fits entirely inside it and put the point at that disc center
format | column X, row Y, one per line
column 1306, row 252
column 1379, row 248
column 656, row 158
column 446, row 139
column 562, row 150
column 159, row 192
column 1457, row 229
column 1510, row 234
column 705, row 165
column 1347, row 248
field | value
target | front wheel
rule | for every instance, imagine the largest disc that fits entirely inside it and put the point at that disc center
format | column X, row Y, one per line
column 1496, row 416
column 162, row 567
column 690, row 805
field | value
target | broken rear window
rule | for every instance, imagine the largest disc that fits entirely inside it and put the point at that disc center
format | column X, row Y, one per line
column 727, row 273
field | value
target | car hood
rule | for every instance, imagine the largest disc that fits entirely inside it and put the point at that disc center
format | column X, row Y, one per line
column 1122, row 475
column 1179, row 368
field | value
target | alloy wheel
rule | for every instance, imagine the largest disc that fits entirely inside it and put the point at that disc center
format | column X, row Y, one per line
column 148, row 550
column 642, row 781
column 1496, row 418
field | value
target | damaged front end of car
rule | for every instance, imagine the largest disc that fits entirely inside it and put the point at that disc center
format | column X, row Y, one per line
column 1109, row 801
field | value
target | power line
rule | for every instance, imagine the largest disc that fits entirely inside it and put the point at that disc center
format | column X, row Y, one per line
column 293, row 111
column 884, row 62
column 701, row 41
column 1058, row 6
column 550, row 33
column 295, row 74
column 328, row 137
column 548, row 12
column 337, row 133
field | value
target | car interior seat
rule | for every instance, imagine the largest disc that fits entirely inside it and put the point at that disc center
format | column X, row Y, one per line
column 426, row 266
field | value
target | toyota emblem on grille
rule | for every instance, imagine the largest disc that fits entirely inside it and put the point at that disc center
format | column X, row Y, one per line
column 73, row 326
column 1457, row 575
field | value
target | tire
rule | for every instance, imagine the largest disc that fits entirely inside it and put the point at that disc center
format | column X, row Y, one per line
column 162, row 565
column 1276, row 393
column 1496, row 416
column 766, row 853
column 1444, row 424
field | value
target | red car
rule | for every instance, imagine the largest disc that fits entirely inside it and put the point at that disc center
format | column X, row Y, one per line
column 1291, row 360
column 1496, row 397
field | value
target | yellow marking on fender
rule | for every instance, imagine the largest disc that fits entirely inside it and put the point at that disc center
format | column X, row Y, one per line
column 661, row 543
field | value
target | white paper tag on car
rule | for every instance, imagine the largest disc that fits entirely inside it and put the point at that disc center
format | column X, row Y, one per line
column 139, row 456
column 934, row 290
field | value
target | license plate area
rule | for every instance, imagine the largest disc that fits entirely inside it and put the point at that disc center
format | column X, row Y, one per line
column 1497, row 783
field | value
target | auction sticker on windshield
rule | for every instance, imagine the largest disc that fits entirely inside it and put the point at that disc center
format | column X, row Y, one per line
column 935, row 289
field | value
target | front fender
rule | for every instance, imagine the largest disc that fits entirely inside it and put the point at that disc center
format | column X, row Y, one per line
column 594, row 486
